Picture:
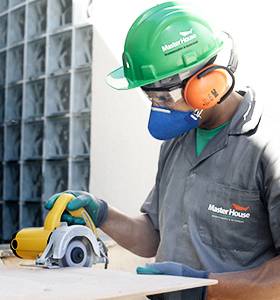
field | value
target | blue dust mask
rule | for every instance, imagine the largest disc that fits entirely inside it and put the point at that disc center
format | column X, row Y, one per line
column 165, row 124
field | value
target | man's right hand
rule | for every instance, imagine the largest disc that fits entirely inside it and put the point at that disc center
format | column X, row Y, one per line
column 96, row 208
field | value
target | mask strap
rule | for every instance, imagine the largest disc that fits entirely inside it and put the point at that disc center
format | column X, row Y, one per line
column 197, row 113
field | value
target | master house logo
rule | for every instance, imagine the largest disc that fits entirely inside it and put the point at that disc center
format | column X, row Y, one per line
column 236, row 213
column 184, row 41
column 186, row 33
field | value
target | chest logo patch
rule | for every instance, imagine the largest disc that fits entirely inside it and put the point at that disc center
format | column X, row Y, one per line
column 235, row 213
column 239, row 208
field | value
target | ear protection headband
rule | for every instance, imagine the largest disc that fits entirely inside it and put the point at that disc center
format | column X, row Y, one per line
column 210, row 86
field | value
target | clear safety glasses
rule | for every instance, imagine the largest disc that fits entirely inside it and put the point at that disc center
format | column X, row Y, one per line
column 166, row 92
column 164, row 98
column 168, row 99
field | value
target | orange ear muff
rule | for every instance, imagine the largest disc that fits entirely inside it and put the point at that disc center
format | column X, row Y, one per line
column 208, row 87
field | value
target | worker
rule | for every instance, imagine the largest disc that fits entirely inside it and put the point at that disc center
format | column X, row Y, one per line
column 214, row 211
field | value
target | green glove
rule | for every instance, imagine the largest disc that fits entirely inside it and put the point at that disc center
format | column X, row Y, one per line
column 172, row 268
column 96, row 208
column 177, row 269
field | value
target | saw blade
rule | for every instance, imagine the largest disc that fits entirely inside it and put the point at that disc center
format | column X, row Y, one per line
column 78, row 254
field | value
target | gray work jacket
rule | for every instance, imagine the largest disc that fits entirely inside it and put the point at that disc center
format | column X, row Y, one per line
column 220, row 211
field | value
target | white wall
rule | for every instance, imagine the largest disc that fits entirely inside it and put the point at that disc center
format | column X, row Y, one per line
column 124, row 156
column 255, row 27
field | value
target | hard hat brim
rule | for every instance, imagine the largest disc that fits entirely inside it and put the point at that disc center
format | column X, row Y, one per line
column 118, row 81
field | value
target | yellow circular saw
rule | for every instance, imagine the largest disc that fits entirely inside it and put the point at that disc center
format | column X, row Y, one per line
column 59, row 245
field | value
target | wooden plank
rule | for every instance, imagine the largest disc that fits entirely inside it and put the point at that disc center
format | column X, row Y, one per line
column 87, row 284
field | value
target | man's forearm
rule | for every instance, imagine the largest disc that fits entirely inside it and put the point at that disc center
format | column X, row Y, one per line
column 135, row 234
column 261, row 283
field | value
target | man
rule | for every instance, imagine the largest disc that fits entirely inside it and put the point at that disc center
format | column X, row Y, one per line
column 214, row 209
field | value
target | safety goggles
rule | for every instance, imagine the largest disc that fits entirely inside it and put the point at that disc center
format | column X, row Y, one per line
column 164, row 98
column 166, row 92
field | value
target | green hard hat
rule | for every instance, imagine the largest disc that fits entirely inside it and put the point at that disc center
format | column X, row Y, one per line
column 165, row 40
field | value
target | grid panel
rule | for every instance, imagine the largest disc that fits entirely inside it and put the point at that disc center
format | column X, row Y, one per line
column 11, row 181
column 1, row 183
column 81, row 136
column 12, row 140
column 56, row 173
column 1, row 223
column 80, row 175
column 16, row 26
column 33, row 134
column 36, row 60
column 32, row 181
column 3, row 31
column 1, row 143
column 58, row 95
column 31, row 214
column 57, row 138
column 60, row 52
column 37, row 16
column 34, row 100
column 10, row 220
column 15, row 63
column 83, row 55
column 61, row 12
column 15, row 2
column 13, row 107
column 2, row 105
column 2, row 69
column 4, row 5
column 45, row 102
column 82, row 92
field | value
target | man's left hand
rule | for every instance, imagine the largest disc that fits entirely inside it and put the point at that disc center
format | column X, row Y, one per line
column 176, row 269
column 171, row 268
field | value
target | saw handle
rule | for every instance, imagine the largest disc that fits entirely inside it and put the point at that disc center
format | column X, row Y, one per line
column 53, row 218
column 82, row 213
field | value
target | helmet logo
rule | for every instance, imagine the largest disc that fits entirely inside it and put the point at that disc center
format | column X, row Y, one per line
column 186, row 33
column 187, row 36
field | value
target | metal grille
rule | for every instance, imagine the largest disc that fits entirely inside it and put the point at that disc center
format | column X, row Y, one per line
column 45, row 103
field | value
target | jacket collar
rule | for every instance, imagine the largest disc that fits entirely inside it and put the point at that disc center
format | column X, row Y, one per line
column 248, row 114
